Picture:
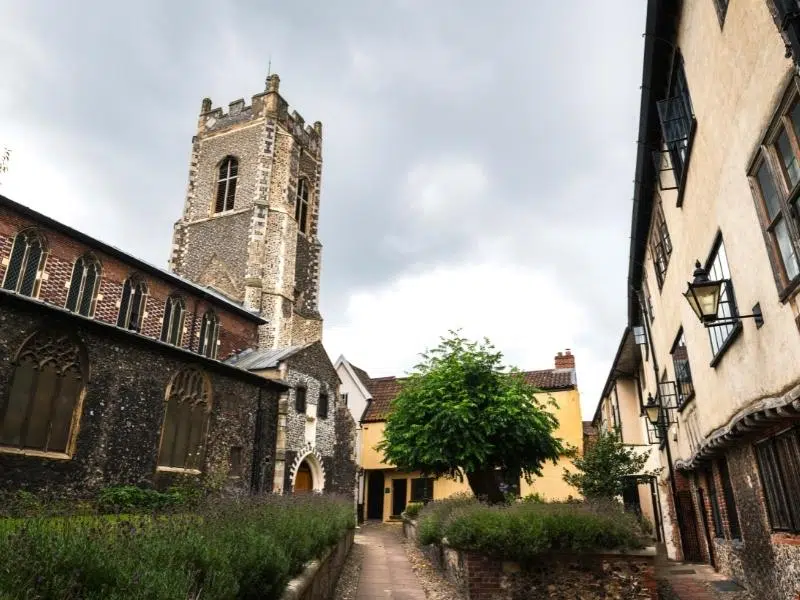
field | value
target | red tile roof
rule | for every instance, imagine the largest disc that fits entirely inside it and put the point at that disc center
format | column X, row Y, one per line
column 385, row 389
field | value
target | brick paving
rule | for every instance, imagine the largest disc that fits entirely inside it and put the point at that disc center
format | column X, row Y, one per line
column 685, row 581
column 386, row 573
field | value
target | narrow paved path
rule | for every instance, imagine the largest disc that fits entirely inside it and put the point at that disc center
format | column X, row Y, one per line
column 689, row 581
column 386, row 573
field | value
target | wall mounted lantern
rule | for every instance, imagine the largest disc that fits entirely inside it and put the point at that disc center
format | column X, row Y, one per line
column 656, row 413
column 704, row 295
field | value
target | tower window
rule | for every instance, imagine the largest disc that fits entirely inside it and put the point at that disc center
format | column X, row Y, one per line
column 27, row 257
column 300, row 399
column 301, row 204
column 172, row 328
column 42, row 408
column 226, row 184
column 322, row 406
column 131, row 308
column 209, row 331
column 83, row 286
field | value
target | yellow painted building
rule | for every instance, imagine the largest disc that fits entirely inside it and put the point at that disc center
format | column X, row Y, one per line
column 387, row 490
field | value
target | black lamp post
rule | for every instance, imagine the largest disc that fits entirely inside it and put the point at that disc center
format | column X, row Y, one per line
column 704, row 295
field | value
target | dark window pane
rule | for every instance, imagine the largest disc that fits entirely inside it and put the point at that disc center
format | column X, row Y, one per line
column 786, row 248
column 201, row 345
column 167, row 318
column 323, row 406
column 422, row 489
column 176, row 324
column 17, row 403
column 730, row 501
column 122, row 318
column 789, row 461
column 719, row 334
column 768, row 191
column 39, row 411
column 300, row 399
column 773, row 488
column 794, row 115
column 88, row 290
column 14, row 268
column 716, row 516
column 219, row 205
column 31, row 268
column 75, row 285
column 788, row 158
column 63, row 412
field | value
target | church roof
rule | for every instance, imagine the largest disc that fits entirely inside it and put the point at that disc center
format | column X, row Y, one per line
column 386, row 389
column 130, row 260
column 256, row 360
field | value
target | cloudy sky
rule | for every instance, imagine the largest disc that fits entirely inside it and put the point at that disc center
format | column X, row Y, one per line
column 479, row 156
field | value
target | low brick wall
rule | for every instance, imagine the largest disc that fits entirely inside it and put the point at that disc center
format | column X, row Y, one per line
column 625, row 576
column 318, row 579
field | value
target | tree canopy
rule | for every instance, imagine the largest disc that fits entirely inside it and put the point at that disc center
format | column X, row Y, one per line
column 461, row 411
column 605, row 467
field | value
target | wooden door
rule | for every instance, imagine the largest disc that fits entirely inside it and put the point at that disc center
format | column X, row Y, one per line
column 303, row 481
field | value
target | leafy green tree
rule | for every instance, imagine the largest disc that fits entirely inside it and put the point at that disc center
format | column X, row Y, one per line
column 605, row 467
column 461, row 411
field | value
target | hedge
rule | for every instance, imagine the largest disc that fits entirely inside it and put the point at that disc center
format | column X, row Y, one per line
column 523, row 531
column 221, row 551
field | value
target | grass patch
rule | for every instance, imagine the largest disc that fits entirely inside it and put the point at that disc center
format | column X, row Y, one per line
column 523, row 531
column 221, row 551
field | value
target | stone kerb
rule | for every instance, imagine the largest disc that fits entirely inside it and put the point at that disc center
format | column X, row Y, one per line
column 623, row 575
column 318, row 579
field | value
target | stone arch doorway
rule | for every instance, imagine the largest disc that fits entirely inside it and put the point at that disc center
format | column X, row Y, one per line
column 308, row 474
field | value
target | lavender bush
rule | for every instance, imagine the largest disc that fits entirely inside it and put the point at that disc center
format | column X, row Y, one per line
column 235, row 549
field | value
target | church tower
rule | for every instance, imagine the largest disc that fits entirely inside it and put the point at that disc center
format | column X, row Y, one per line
column 249, row 223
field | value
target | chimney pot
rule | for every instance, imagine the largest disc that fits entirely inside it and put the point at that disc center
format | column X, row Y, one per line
column 565, row 360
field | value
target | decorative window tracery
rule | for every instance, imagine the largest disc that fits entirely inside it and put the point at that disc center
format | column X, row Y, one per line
column 25, row 263
column 42, row 409
column 226, row 184
column 83, row 287
column 183, row 436
column 301, row 204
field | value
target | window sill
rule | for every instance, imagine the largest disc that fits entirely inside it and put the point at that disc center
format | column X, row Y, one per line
column 35, row 453
column 686, row 163
column 686, row 403
column 178, row 470
column 790, row 290
column 735, row 333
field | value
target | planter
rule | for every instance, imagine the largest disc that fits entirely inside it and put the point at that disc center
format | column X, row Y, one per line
column 318, row 579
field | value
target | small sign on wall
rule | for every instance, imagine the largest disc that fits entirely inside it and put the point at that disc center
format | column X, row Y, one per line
column 387, row 490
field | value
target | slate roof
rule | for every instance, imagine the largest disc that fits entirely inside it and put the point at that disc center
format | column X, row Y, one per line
column 385, row 389
column 256, row 360
column 362, row 375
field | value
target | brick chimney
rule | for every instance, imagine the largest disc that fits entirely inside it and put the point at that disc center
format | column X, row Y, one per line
column 565, row 360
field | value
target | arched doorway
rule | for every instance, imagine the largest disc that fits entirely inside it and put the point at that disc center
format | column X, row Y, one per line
column 308, row 475
column 303, row 481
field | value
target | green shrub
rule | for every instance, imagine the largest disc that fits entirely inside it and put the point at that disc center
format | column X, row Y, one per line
column 412, row 509
column 536, row 498
column 523, row 531
column 226, row 550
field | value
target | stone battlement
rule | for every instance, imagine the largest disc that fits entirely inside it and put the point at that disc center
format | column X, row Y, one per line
column 268, row 103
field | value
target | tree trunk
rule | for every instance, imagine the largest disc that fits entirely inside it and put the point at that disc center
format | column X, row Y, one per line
column 486, row 486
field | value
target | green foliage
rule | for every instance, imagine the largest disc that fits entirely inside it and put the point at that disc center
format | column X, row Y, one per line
column 525, row 530
column 605, row 467
column 430, row 524
column 224, row 551
column 535, row 498
column 462, row 411
column 413, row 509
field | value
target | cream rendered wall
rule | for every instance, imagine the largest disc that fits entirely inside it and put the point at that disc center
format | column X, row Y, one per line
column 735, row 76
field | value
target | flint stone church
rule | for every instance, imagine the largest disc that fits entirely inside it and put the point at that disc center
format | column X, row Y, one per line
column 113, row 371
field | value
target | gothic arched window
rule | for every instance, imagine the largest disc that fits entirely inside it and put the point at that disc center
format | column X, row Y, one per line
column 132, row 305
column 301, row 204
column 42, row 409
column 84, row 285
column 226, row 184
column 209, row 331
column 172, row 328
column 183, row 436
column 25, row 264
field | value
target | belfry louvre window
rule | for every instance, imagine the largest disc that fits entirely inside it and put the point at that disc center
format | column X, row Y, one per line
column 775, row 179
column 779, row 466
column 132, row 305
column 23, row 273
column 183, row 436
column 301, row 204
column 677, row 121
column 717, row 267
column 209, row 332
column 226, row 184
column 172, row 327
column 83, row 286
column 660, row 242
column 42, row 409
column 683, row 372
